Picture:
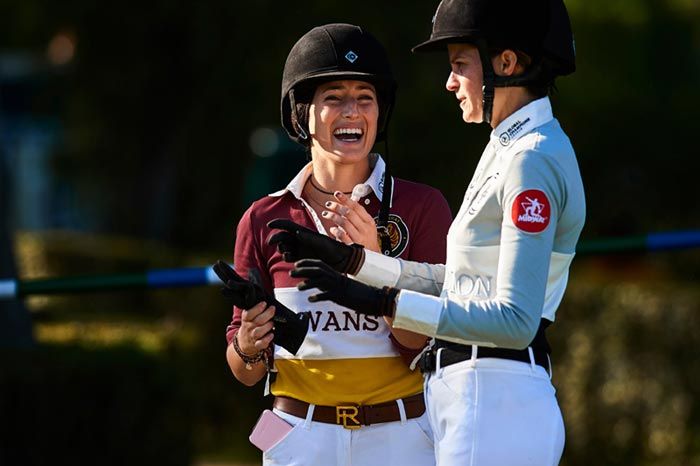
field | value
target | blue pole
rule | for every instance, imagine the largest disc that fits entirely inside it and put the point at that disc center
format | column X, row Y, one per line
column 201, row 276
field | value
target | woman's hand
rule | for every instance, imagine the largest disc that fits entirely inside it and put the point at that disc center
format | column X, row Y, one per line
column 353, row 223
column 291, row 326
column 336, row 287
column 255, row 333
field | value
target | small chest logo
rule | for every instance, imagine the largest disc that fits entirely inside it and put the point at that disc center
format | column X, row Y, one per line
column 351, row 56
column 531, row 211
column 505, row 137
column 398, row 234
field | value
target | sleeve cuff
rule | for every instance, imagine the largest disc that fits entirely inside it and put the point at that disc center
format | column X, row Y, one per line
column 417, row 312
column 379, row 270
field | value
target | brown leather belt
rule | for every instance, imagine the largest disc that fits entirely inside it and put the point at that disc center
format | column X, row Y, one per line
column 353, row 416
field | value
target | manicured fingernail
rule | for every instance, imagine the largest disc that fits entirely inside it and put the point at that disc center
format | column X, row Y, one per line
column 324, row 213
column 339, row 195
column 328, row 204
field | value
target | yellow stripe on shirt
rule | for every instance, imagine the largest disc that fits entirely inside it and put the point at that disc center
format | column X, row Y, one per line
column 346, row 381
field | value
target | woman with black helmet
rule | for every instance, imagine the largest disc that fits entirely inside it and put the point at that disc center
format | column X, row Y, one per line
column 348, row 391
column 488, row 388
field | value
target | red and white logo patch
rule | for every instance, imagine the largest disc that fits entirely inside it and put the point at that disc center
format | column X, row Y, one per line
column 531, row 211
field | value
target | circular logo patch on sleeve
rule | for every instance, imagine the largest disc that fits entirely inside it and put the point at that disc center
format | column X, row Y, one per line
column 531, row 211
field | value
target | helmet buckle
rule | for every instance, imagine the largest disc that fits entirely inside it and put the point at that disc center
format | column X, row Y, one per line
column 302, row 133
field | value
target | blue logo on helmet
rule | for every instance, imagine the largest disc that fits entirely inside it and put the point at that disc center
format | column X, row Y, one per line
column 351, row 56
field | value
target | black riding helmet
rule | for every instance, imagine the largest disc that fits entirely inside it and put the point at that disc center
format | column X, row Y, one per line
column 334, row 52
column 329, row 53
column 540, row 28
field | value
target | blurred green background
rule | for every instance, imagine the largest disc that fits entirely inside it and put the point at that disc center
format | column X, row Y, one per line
column 134, row 134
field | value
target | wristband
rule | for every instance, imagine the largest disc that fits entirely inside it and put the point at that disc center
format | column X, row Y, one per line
column 388, row 304
column 357, row 258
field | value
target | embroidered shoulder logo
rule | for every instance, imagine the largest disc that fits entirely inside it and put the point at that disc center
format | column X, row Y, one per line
column 531, row 211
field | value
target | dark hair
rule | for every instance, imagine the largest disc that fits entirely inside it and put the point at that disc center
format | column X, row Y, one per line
column 542, row 89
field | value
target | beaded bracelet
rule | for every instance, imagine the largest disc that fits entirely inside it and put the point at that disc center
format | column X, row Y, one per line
column 248, row 359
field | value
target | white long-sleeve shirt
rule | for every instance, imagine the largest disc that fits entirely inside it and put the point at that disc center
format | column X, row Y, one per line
column 509, row 247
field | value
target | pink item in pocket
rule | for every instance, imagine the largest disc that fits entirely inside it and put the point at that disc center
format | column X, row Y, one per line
column 269, row 430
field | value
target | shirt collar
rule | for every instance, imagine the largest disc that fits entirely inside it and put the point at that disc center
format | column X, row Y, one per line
column 532, row 115
column 375, row 181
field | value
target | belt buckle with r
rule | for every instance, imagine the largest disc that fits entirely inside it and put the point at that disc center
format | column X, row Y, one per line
column 345, row 414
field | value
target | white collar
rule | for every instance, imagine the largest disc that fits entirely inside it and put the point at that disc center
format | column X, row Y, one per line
column 532, row 115
column 375, row 181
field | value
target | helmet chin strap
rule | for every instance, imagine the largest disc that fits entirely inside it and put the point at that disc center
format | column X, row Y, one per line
column 297, row 123
column 388, row 187
column 387, row 194
column 535, row 74
column 488, row 81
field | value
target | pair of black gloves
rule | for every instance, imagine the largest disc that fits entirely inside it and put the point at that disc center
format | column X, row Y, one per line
column 323, row 263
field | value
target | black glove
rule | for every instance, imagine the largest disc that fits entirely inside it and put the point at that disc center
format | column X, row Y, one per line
column 345, row 291
column 297, row 242
column 289, row 327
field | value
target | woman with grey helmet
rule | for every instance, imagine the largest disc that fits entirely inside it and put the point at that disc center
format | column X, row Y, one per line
column 347, row 392
column 487, row 372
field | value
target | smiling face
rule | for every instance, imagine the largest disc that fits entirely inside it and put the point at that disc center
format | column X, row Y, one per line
column 466, row 80
column 343, row 120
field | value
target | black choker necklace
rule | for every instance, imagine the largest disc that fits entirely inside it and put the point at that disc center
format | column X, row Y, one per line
column 311, row 179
